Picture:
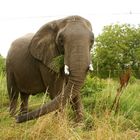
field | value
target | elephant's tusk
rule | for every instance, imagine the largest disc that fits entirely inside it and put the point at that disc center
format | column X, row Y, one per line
column 91, row 67
column 66, row 70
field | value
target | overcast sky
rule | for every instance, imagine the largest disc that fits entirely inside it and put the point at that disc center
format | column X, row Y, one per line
column 18, row 17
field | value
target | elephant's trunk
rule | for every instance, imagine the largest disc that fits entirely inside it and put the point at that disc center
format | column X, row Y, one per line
column 71, row 89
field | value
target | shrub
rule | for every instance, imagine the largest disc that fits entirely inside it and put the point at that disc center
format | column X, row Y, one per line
column 2, row 64
column 92, row 85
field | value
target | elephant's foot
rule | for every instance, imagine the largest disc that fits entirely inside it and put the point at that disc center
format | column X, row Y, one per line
column 12, row 111
column 79, row 118
column 23, row 111
column 60, row 112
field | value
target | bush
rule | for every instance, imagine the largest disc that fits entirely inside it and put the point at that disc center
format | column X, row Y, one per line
column 2, row 64
column 92, row 85
column 117, row 46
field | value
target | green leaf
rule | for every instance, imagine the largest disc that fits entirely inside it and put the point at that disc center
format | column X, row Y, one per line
column 57, row 63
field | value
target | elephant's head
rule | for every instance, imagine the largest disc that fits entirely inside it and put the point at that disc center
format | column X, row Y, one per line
column 73, row 37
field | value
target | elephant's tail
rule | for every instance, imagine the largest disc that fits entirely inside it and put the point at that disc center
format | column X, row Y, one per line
column 12, row 92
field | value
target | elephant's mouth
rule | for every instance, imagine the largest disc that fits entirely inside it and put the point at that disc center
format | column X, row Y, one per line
column 58, row 63
column 67, row 69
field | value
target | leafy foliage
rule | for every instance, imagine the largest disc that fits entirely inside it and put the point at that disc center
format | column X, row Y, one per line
column 92, row 85
column 118, row 46
column 2, row 64
column 97, row 124
column 57, row 63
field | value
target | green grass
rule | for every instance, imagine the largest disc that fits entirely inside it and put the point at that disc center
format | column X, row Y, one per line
column 98, row 124
column 57, row 63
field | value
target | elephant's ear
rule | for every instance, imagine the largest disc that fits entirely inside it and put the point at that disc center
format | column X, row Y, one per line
column 43, row 46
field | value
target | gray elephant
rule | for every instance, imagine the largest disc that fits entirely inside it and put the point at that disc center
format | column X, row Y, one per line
column 28, row 72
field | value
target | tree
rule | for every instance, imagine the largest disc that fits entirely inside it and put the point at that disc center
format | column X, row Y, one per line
column 118, row 46
column 2, row 64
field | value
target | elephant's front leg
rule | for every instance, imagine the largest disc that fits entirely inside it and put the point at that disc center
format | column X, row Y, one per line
column 24, row 103
column 77, row 107
column 55, row 89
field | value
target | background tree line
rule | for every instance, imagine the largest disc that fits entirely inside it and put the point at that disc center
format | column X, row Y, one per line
column 117, row 48
column 2, row 64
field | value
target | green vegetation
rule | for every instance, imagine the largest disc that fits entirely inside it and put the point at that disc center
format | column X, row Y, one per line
column 117, row 47
column 57, row 63
column 2, row 64
column 98, row 124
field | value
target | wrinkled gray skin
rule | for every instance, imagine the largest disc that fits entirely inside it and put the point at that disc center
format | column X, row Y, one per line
column 28, row 72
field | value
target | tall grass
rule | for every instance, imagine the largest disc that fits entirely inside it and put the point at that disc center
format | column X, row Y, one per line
column 98, row 124
column 3, row 90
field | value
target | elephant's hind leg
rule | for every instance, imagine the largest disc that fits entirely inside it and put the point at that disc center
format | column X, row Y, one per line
column 13, row 102
column 24, row 102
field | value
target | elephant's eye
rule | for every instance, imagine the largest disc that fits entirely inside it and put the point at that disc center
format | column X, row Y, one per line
column 91, row 40
column 60, row 40
column 91, row 45
column 60, row 43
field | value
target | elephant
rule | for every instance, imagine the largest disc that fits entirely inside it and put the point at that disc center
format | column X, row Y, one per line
column 28, row 71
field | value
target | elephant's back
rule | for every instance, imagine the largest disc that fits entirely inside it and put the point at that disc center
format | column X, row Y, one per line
column 19, row 47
